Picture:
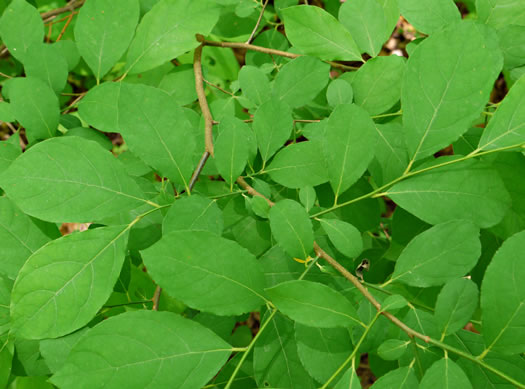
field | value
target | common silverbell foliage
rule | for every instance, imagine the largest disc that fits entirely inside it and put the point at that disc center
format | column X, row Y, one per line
column 300, row 190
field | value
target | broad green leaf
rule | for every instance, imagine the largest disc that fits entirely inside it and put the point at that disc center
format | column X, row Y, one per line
column 153, row 126
column 63, row 285
column 70, row 179
column 432, row 87
column 500, row 13
column 349, row 380
column 349, row 136
column 455, row 305
column 322, row 350
column 339, row 92
column 393, row 303
column 392, row 349
column 512, row 44
column 365, row 19
column 20, row 237
column 439, row 254
column 272, row 124
column 8, row 153
column 292, row 228
column 469, row 190
column 391, row 11
column 503, row 298
column 141, row 349
column 507, row 126
column 168, row 30
column 103, row 32
column 344, row 236
column 91, row 134
column 315, row 32
column 6, row 358
column 254, row 84
column 401, row 378
column 5, row 298
column 99, row 107
column 276, row 363
column 445, row 373
column 46, row 62
column 231, row 148
column 56, row 351
column 307, row 196
column 300, row 80
column 429, row 16
column 180, row 84
column 20, row 27
column 194, row 265
column 299, row 164
column 6, row 114
column 313, row 304
column 391, row 157
column 377, row 84
column 193, row 213
column 35, row 106
column 68, row 49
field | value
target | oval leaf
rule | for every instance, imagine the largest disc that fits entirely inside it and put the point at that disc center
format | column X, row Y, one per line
column 445, row 374
column 193, row 213
column 344, row 236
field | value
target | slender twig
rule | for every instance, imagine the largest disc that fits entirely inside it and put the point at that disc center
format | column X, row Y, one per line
column 156, row 298
column 199, row 87
column 252, row 35
column 71, row 6
column 266, row 50
column 218, row 87
column 251, row 191
column 65, row 27
column 5, row 75
column 73, row 103
column 198, row 170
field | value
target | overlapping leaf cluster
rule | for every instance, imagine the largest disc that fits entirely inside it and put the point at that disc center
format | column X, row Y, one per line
column 257, row 196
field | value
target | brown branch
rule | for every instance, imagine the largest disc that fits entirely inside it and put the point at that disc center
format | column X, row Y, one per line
column 198, row 170
column 258, row 22
column 156, row 298
column 71, row 6
column 199, row 87
column 70, row 17
column 243, row 184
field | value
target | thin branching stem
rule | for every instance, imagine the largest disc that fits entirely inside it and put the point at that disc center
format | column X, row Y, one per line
column 252, row 35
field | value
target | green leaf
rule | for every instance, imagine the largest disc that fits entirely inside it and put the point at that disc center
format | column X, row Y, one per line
column 377, row 84
column 20, row 237
column 153, row 125
column 365, row 19
column 455, row 305
column 6, row 114
column 390, row 159
column 339, row 92
column 313, row 304
column 322, row 350
column 103, row 32
column 469, row 190
column 254, row 84
column 232, row 148
column 500, row 13
column 445, row 374
column 56, row 351
column 349, row 135
column 439, row 254
column 180, row 84
column 63, row 285
column 8, row 153
column 503, row 298
column 344, row 236
column 276, row 363
column 512, row 44
column 35, row 106
column 507, row 127
column 307, row 196
column 299, row 164
column 401, row 378
column 94, row 185
column 100, row 107
column 168, row 30
column 292, row 228
column 432, row 87
column 68, row 49
column 272, row 124
column 315, row 32
column 392, row 349
column 194, row 265
column 300, row 80
column 193, row 213
column 144, row 348
column 393, row 303
column 349, row 380
column 47, row 63
column 429, row 16
column 20, row 27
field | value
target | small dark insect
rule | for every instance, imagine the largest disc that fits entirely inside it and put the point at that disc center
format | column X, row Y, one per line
column 364, row 265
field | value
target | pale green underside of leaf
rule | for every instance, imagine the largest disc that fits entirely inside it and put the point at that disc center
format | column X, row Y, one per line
column 145, row 349
column 70, row 179
column 313, row 304
column 468, row 190
column 503, row 298
column 315, row 32
column 63, row 285
column 168, row 30
column 445, row 373
column 439, row 254
column 440, row 99
column 103, row 32
column 194, row 265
